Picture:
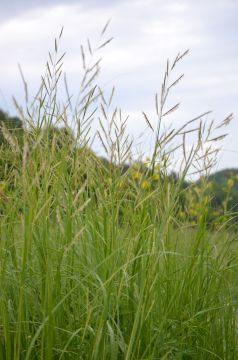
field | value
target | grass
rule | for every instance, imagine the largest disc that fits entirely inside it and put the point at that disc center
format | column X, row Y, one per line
column 96, row 265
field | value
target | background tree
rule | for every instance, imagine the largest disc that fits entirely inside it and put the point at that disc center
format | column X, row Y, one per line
column 13, row 124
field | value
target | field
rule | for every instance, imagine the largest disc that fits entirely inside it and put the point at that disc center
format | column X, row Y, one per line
column 102, row 259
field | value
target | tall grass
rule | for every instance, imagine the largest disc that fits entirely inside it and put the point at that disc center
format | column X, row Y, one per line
column 94, row 261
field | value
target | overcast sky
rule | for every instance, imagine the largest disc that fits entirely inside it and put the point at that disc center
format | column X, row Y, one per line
column 146, row 33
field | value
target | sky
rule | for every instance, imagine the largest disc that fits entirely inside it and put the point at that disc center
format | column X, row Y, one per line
column 146, row 33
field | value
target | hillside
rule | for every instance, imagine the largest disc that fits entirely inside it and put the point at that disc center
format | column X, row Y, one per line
column 225, row 187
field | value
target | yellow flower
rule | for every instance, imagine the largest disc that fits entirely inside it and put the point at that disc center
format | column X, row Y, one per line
column 236, row 177
column 230, row 182
column 136, row 175
column 145, row 184
column 156, row 177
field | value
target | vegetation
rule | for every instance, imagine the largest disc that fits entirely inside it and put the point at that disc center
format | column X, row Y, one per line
column 102, row 258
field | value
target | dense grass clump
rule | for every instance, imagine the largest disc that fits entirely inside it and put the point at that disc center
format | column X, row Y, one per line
column 95, row 260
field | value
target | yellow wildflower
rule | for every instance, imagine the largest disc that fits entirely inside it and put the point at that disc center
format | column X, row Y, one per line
column 145, row 184
column 136, row 175
column 230, row 182
column 156, row 177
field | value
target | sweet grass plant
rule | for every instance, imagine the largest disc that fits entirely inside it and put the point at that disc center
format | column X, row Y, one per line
column 94, row 264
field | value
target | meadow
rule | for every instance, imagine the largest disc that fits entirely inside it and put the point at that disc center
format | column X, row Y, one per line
column 112, row 258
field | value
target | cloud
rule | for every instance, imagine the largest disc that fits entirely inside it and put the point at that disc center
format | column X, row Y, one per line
column 146, row 33
column 15, row 8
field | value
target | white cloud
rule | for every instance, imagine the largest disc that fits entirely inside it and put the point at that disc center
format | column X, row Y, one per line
column 146, row 33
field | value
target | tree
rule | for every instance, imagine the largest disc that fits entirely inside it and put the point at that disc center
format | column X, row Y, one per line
column 13, row 124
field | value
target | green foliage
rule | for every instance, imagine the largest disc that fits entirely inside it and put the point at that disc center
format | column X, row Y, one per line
column 13, row 124
column 11, row 133
column 225, row 189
